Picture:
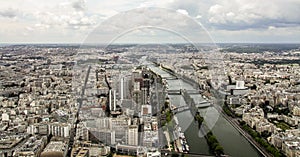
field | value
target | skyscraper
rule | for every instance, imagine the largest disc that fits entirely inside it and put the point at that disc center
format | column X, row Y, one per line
column 133, row 135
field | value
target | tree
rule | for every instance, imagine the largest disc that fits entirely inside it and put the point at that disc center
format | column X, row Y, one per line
column 242, row 123
column 166, row 104
column 253, row 87
column 175, row 155
column 110, row 154
column 219, row 150
column 265, row 134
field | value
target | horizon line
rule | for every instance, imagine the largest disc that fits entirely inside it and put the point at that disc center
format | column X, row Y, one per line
column 150, row 43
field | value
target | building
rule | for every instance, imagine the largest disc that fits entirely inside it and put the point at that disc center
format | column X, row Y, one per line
column 240, row 84
column 32, row 147
column 82, row 132
column 130, row 150
column 5, row 117
column 55, row 148
column 83, row 153
column 296, row 111
column 87, row 148
column 277, row 140
column 291, row 148
column 146, row 110
column 133, row 135
column 59, row 129
column 103, row 123
column 107, row 137
column 120, row 123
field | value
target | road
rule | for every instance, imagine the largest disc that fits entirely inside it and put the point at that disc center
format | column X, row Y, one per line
column 75, row 118
column 166, row 152
column 158, row 97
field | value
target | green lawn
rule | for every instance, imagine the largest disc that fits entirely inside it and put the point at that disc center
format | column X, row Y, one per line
column 282, row 126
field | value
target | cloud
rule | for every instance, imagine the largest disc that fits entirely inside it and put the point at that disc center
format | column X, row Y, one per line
column 40, row 26
column 72, row 20
column 198, row 17
column 244, row 14
column 9, row 13
column 230, row 19
column 193, row 7
column 79, row 5
column 152, row 18
column 64, row 15
column 182, row 11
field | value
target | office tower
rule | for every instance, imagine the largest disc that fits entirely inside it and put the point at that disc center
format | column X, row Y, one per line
column 122, row 89
column 115, row 105
column 110, row 99
column 133, row 135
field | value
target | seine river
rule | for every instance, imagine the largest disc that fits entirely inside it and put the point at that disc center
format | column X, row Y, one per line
column 233, row 142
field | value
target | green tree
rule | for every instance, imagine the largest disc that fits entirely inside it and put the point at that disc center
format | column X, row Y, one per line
column 219, row 150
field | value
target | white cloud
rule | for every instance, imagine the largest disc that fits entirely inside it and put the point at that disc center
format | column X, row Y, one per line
column 175, row 22
column 79, row 5
column 9, row 13
column 271, row 28
column 244, row 14
column 64, row 19
column 182, row 11
column 198, row 17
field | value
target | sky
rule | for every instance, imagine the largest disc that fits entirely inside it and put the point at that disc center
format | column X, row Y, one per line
column 226, row 21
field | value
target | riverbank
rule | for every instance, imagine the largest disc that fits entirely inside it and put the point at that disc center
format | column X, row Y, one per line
column 226, row 134
column 234, row 123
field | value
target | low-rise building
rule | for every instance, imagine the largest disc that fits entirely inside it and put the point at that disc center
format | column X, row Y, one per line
column 55, row 148
column 32, row 147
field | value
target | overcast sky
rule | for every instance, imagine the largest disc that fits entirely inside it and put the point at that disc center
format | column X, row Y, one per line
column 70, row 21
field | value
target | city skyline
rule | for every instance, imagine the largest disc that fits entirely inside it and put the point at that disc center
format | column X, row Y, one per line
column 226, row 21
column 151, row 78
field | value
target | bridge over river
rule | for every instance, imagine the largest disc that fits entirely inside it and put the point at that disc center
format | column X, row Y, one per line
column 202, row 104
column 179, row 92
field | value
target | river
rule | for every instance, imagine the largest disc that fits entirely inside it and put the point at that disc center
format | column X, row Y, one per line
column 233, row 142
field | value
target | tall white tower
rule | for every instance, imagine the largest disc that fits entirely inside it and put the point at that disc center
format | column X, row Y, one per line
column 122, row 88
column 110, row 99
column 114, row 101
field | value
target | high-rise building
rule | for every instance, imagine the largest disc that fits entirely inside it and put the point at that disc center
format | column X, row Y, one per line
column 59, row 129
column 133, row 135
column 120, row 123
column 82, row 132
column 115, row 101
column 110, row 100
column 122, row 89
column 103, row 123
column 106, row 136
column 144, row 96
column 137, row 82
